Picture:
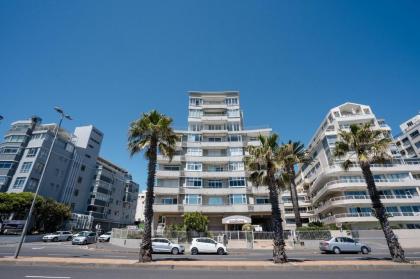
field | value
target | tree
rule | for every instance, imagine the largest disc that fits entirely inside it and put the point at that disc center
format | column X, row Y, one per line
column 364, row 145
column 290, row 155
column 50, row 215
column 195, row 221
column 264, row 167
column 151, row 133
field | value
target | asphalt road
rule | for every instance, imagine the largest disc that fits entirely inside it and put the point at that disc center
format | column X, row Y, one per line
column 51, row 272
column 108, row 251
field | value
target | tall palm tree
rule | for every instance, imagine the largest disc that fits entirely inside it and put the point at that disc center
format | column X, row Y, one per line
column 151, row 133
column 364, row 145
column 263, row 166
column 290, row 155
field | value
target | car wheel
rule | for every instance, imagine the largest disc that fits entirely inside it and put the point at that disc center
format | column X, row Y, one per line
column 365, row 250
column 85, row 242
column 220, row 251
column 175, row 251
column 336, row 250
column 55, row 239
column 194, row 251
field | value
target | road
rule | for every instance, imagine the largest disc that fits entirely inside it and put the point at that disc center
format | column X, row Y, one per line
column 51, row 272
column 108, row 251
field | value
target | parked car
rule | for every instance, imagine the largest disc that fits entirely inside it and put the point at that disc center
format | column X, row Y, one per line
column 58, row 236
column 207, row 245
column 84, row 238
column 163, row 245
column 338, row 245
column 105, row 237
column 12, row 227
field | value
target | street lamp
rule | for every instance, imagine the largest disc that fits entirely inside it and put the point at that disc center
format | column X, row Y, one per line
column 28, row 219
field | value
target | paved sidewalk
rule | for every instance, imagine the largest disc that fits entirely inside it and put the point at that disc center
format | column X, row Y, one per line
column 213, row 265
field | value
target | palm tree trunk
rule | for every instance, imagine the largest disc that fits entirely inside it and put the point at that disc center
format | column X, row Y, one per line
column 395, row 249
column 279, row 251
column 145, row 254
column 295, row 198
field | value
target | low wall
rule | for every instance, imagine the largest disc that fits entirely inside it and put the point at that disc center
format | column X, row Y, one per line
column 13, row 239
column 127, row 243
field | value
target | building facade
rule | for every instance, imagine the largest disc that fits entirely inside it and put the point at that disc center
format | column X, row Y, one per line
column 340, row 197
column 207, row 174
column 408, row 141
column 113, row 197
column 141, row 199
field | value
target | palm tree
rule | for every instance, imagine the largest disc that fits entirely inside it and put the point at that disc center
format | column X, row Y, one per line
column 291, row 154
column 151, row 133
column 364, row 146
column 263, row 166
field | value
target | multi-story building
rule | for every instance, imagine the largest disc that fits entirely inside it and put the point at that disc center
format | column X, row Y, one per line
column 69, row 172
column 408, row 141
column 340, row 197
column 113, row 196
column 207, row 173
column 140, row 206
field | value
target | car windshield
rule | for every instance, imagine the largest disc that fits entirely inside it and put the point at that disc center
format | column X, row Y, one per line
column 83, row 234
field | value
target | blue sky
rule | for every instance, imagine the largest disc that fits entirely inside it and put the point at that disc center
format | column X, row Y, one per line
column 105, row 62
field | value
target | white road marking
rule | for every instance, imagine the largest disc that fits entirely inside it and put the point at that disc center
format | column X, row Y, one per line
column 49, row 277
column 58, row 254
column 38, row 248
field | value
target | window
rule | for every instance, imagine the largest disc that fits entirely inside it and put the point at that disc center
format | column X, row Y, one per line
column 76, row 192
column 196, row 113
column 5, row 165
column 235, row 138
column 194, row 138
column 194, row 182
column 231, row 101
column 9, row 150
column 215, row 127
column 90, row 146
column 194, row 151
column 233, row 113
column 215, row 168
column 171, row 167
column 19, row 182
column 193, row 166
column 196, row 101
column 3, row 180
column 215, row 201
column 213, row 139
column 237, row 199
column 87, row 156
column 15, row 138
column 262, row 200
column 169, row 201
column 192, row 199
column 26, row 166
column 38, row 167
column 79, row 179
column 32, row 152
column 236, row 166
column 234, row 127
column 83, row 168
column 237, row 182
column 38, row 136
column 236, row 151
column 195, row 127
column 215, row 184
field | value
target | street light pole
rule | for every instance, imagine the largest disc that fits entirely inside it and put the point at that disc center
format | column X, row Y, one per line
column 28, row 219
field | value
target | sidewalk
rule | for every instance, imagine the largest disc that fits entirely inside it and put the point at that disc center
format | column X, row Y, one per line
column 214, row 265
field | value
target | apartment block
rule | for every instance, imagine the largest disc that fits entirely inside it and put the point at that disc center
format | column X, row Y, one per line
column 141, row 200
column 408, row 141
column 341, row 197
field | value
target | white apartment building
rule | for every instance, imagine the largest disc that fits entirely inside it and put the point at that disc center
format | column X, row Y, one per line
column 408, row 141
column 141, row 200
column 207, row 173
column 340, row 197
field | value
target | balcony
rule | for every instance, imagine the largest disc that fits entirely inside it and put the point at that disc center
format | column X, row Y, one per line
column 214, row 174
column 369, row 217
column 262, row 208
column 223, row 208
column 164, row 159
column 168, row 174
column 166, row 190
column 359, row 200
column 165, row 207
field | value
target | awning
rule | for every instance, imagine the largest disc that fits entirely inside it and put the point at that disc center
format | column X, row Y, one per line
column 236, row 219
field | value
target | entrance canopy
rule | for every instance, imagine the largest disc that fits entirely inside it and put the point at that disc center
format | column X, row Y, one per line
column 236, row 219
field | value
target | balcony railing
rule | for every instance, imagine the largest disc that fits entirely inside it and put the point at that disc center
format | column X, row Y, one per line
column 333, row 218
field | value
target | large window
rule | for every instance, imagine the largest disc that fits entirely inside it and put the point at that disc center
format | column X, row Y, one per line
column 19, row 182
column 9, row 150
column 236, row 166
column 169, row 200
column 32, row 152
column 15, row 138
column 171, row 167
column 196, row 101
column 195, row 127
column 215, row 201
column 233, row 113
column 5, row 165
column 262, row 200
column 194, row 182
column 235, row 138
column 234, row 127
column 236, row 151
column 237, row 199
column 196, row 113
column 192, row 199
column 215, row 168
column 231, row 101
column 194, row 138
column 26, row 166
column 215, row 184
column 194, row 151
column 216, row 127
column 194, row 166
column 237, row 182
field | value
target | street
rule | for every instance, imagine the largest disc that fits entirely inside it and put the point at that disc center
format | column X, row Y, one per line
column 108, row 251
column 52, row 272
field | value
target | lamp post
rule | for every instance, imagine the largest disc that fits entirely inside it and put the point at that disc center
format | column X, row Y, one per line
column 28, row 219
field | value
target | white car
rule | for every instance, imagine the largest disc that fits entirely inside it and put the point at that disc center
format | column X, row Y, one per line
column 164, row 245
column 207, row 245
column 58, row 236
column 105, row 237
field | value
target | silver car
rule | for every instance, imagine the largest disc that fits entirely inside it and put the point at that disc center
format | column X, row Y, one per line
column 163, row 245
column 84, row 238
column 338, row 245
